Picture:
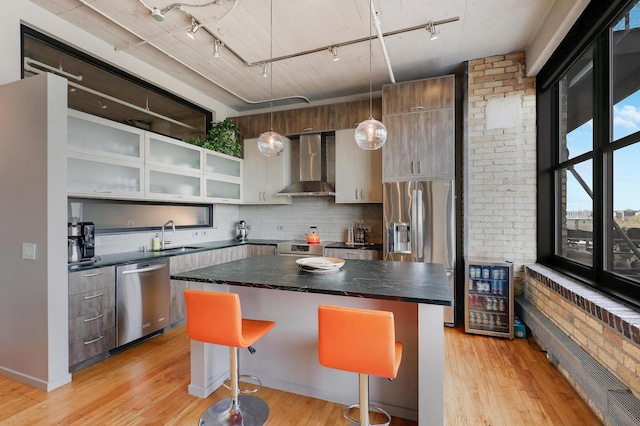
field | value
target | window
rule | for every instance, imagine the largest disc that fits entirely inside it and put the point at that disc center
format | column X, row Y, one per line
column 589, row 151
column 100, row 89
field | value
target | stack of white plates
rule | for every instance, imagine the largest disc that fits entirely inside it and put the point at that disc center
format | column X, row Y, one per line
column 320, row 264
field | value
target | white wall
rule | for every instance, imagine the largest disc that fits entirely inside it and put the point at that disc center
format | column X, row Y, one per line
column 34, row 293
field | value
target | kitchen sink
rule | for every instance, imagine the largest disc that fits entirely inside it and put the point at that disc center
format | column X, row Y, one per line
column 177, row 249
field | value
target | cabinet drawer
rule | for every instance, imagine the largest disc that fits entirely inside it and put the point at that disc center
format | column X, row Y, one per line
column 353, row 254
column 92, row 324
column 92, row 279
column 88, row 347
column 92, row 302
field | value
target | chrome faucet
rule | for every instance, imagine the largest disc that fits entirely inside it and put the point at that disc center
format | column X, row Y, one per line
column 173, row 225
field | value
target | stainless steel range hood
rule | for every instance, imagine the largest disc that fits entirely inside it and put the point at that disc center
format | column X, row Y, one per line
column 313, row 170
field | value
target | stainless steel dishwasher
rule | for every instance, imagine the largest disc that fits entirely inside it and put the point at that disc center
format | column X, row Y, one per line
column 143, row 298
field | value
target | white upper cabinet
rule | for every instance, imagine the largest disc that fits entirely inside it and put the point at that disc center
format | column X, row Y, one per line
column 358, row 171
column 222, row 178
column 265, row 176
column 162, row 151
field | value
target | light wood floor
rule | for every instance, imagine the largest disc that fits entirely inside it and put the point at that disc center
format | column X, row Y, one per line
column 488, row 381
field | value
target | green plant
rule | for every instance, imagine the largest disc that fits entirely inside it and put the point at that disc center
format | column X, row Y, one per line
column 222, row 137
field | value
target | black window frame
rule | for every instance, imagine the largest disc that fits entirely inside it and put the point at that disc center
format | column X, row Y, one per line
column 591, row 29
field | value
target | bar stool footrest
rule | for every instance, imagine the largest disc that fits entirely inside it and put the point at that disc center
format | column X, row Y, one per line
column 371, row 408
column 244, row 376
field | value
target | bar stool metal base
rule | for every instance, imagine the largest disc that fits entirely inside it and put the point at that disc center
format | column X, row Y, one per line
column 345, row 414
column 250, row 411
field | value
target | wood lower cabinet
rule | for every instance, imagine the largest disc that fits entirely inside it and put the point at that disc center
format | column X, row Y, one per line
column 344, row 253
column 92, row 320
column 261, row 250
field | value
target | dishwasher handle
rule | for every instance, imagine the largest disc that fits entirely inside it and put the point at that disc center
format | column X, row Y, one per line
column 145, row 269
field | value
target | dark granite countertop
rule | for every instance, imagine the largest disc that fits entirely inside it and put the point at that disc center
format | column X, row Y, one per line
column 401, row 281
column 146, row 256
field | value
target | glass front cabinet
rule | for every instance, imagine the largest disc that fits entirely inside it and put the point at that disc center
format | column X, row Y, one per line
column 489, row 298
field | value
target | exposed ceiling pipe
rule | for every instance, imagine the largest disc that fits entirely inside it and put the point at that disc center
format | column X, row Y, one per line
column 376, row 23
column 231, row 92
column 28, row 65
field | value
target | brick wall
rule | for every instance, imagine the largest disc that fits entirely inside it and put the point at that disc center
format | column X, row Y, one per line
column 500, row 162
column 607, row 330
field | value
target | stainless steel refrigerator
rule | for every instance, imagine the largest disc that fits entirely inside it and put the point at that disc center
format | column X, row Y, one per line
column 419, row 221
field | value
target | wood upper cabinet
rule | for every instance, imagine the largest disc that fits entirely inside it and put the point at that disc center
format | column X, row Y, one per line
column 358, row 171
column 349, row 114
column 252, row 126
column 419, row 95
column 419, row 146
column 420, row 121
column 303, row 120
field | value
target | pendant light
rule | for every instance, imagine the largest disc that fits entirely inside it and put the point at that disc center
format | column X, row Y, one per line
column 371, row 134
column 270, row 143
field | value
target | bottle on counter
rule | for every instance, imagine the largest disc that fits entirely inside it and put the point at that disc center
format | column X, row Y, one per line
column 155, row 243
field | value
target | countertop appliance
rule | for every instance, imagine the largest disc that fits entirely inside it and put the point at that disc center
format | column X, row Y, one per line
column 142, row 300
column 242, row 231
column 301, row 248
column 419, row 221
column 80, row 241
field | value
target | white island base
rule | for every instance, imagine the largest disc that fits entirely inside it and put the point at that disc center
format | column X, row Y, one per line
column 286, row 358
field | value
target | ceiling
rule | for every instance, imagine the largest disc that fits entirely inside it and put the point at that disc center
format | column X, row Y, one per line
column 303, row 32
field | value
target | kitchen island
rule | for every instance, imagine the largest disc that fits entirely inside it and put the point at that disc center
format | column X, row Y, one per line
column 286, row 357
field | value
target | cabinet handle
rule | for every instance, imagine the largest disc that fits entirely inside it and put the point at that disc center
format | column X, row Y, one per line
column 177, row 196
column 412, row 167
column 93, row 297
column 416, row 108
column 94, row 340
column 93, row 319
column 102, row 191
column 307, row 129
column 361, row 194
column 352, row 252
column 419, row 166
column 93, row 275
column 356, row 193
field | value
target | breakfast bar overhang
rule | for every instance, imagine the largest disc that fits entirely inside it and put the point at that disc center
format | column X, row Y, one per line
column 286, row 359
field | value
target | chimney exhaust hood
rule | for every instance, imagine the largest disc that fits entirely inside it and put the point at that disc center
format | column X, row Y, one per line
column 313, row 169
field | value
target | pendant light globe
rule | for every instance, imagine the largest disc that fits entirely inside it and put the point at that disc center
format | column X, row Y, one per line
column 371, row 134
column 270, row 144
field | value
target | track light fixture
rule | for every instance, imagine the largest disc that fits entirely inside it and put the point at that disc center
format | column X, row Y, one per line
column 431, row 29
column 157, row 14
column 264, row 70
column 334, row 51
column 194, row 27
column 216, row 48
column 102, row 104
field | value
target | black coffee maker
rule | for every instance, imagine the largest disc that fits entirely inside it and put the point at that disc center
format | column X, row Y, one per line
column 81, row 241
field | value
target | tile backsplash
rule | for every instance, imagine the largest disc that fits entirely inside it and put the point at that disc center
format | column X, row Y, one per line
column 277, row 222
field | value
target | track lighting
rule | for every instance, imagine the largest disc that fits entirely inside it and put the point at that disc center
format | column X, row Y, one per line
column 194, row 27
column 157, row 14
column 102, row 105
column 334, row 51
column 432, row 30
column 216, row 48
column 264, row 70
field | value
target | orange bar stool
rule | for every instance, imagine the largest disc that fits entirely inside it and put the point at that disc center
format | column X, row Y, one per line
column 214, row 317
column 362, row 341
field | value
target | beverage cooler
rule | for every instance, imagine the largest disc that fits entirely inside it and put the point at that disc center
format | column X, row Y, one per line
column 489, row 298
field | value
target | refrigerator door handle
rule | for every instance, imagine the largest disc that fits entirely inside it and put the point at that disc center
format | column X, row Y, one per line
column 413, row 231
column 449, row 224
column 419, row 225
